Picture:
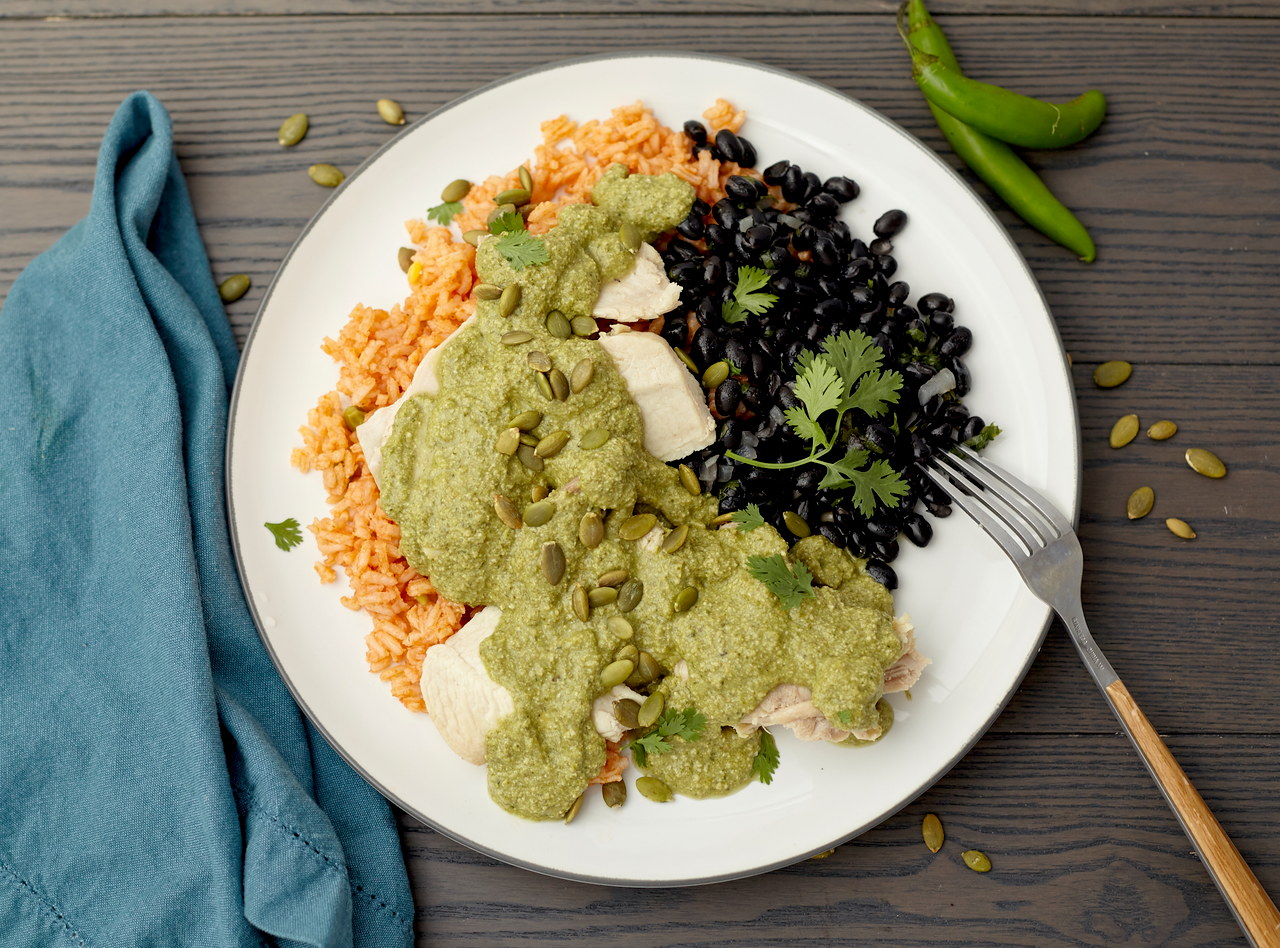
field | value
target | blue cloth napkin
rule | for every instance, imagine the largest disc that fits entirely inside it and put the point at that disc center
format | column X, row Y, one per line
column 158, row 786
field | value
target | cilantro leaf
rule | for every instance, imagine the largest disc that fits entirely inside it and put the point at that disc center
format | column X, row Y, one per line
column 444, row 213
column 522, row 249
column 853, row 354
column 286, row 533
column 747, row 520
column 877, row 484
column 874, row 392
column 747, row 298
column 983, row 437
column 791, row 587
column 507, row 222
column 819, row 389
column 766, row 759
column 806, row 427
column 686, row 725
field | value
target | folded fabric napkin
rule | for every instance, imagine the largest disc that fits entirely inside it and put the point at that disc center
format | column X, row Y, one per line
column 158, row 786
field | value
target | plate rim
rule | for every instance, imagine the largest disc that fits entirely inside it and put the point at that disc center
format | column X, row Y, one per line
column 639, row 53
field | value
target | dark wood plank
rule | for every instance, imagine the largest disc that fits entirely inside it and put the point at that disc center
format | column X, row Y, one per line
column 1180, row 186
column 1083, row 848
column 117, row 8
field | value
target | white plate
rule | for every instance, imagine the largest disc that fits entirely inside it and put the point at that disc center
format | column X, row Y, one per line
column 975, row 620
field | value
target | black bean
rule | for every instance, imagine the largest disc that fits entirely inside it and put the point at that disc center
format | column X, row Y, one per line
column 707, row 347
column 758, row 237
column 692, row 227
column 713, row 270
column 759, row 367
column 825, row 250
column 686, row 272
column 940, row 321
column 882, row 573
column 718, row 236
column 954, row 414
column 906, row 313
column 741, row 188
column 831, row 309
column 736, row 352
column 884, row 342
column 885, row 550
column 917, row 373
column 858, row 270
column 897, row 293
column 917, row 529
column 881, row 530
column 956, row 344
column 793, row 184
column 683, row 250
column 886, row 264
column 878, row 437
column 860, row 298
column 942, row 435
column 963, row 380
column 775, row 172
column 832, row 533
column 889, row 224
column 696, row 131
column 881, row 245
column 708, row 311
column 729, row 146
column 840, row 233
column 972, row 428
column 753, row 397
column 673, row 330
column 700, row 207
column 941, row 511
column 858, row 248
column 727, row 394
column 824, row 204
column 813, row 184
column 748, row 159
column 841, row 188
column 931, row 302
column 786, row 397
column 725, row 214
column 804, row 237
column 730, row 433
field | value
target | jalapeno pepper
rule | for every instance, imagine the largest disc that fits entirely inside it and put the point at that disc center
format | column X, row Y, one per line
column 991, row 159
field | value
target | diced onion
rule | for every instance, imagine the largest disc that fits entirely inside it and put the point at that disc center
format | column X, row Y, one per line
column 940, row 384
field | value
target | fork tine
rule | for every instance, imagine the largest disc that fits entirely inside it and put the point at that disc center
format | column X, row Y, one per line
column 1007, row 512
column 993, row 527
column 987, row 476
column 1029, row 494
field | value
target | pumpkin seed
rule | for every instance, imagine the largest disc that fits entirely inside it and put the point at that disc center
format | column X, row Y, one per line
column 595, row 438
column 538, row 361
column 1111, row 374
column 651, row 710
column 530, row 439
column 559, row 385
column 613, row 577
column 508, row 442
column 615, row 673
column 1162, row 431
column 719, row 520
column 524, row 210
column 573, row 810
column 630, row 594
column 234, row 287
column 686, row 599
column 583, row 326
column 544, row 385
column 627, row 651
column 352, row 417
column 716, row 373
column 931, row 830
column 629, row 235
column 590, row 530
column 293, row 129
column 507, row 512
column 539, row 492
column 795, row 523
column 473, row 236
column 455, row 190
column 620, row 627
column 526, row 420
column 536, row 514
column 405, row 258
column 487, row 291
column 633, row 528
column 1180, row 528
column 654, row 789
column 558, row 325
column 1205, row 462
column 526, row 179
column 552, row 444
column 675, row 539
column 825, row 854
column 614, row 793
column 325, row 175
column 976, row 860
column 498, row 212
column 528, row 458
column 389, row 111
column 1140, row 503
column 515, row 338
column 625, row 711
column 509, row 299
column 552, row 562
column 516, row 196
column 690, row 480
column 582, row 375
column 1124, row 431
column 582, row 605
column 602, row 596
column 687, row 360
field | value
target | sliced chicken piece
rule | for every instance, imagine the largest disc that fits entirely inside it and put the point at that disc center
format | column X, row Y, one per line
column 604, row 720
column 792, row 705
column 672, row 405
column 643, row 293
column 464, row 702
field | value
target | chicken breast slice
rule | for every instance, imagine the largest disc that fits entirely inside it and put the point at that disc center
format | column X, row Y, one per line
column 642, row 293
column 604, row 720
column 672, row 405
column 464, row 702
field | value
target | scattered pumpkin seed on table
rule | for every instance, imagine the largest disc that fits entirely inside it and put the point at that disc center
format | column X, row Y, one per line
column 1180, row 528
column 1162, row 431
column 539, row 492
column 390, row 111
column 796, row 524
column 626, row 711
column 1140, row 503
column 552, row 444
column 976, row 860
column 326, row 175
column 293, row 129
column 1205, row 462
column 234, row 287
column 931, row 830
column 1123, row 431
column 1111, row 374
column 528, row 458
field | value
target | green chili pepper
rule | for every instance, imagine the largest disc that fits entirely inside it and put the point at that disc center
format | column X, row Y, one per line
column 991, row 159
column 1009, row 116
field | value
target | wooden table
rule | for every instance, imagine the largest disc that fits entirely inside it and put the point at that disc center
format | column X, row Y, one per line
column 1181, row 188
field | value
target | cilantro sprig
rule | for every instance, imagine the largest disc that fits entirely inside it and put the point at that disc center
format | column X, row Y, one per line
column 747, row 298
column 766, row 759
column 444, row 213
column 521, row 249
column 845, row 377
column 983, row 437
column 687, row 725
column 748, row 519
column 792, row 585
column 286, row 533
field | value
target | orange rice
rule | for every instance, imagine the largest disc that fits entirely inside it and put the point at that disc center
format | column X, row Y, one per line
column 378, row 350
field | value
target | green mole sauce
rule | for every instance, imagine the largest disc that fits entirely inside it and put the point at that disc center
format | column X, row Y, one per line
column 441, row 472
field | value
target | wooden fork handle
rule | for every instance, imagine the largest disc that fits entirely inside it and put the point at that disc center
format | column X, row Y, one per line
column 1254, row 910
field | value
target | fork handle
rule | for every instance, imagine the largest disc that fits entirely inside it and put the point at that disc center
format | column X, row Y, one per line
column 1253, row 909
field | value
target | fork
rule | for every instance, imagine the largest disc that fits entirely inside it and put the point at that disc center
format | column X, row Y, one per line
column 1044, row 548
